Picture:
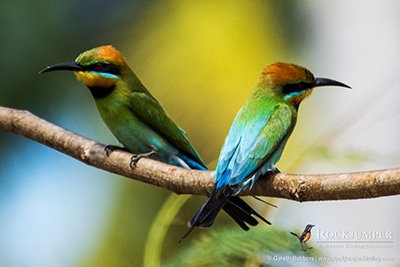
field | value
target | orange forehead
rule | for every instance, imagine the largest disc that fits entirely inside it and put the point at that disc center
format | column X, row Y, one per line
column 105, row 53
column 109, row 53
column 283, row 73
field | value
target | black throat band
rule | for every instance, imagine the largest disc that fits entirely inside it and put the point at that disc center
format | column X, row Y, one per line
column 99, row 92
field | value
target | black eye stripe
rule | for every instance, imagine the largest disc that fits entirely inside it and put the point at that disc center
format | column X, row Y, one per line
column 103, row 67
column 296, row 87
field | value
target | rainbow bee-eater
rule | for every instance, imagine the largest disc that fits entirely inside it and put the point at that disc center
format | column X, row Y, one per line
column 258, row 134
column 137, row 119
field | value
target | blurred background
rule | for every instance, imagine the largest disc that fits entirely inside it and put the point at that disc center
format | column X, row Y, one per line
column 201, row 61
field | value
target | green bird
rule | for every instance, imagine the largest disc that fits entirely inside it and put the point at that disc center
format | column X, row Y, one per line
column 137, row 119
column 258, row 134
column 133, row 115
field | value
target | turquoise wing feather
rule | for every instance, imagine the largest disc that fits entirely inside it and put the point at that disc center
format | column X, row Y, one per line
column 256, row 140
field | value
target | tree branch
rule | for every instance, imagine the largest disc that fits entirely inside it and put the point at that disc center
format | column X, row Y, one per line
column 181, row 181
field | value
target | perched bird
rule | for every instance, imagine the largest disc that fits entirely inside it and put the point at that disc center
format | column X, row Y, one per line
column 258, row 134
column 304, row 237
column 132, row 114
column 137, row 119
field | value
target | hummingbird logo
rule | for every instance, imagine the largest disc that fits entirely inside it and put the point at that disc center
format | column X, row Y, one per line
column 304, row 237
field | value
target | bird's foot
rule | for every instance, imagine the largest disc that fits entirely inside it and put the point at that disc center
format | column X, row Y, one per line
column 305, row 248
column 110, row 148
column 273, row 170
column 136, row 157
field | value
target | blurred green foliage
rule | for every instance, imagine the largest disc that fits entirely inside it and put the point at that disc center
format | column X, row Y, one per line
column 258, row 247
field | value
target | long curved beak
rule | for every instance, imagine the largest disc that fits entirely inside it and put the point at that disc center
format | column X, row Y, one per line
column 325, row 82
column 64, row 66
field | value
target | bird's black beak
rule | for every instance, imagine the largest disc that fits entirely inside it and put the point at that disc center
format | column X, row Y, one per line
column 64, row 66
column 325, row 82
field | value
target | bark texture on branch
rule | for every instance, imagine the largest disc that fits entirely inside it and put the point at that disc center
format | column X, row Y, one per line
column 181, row 181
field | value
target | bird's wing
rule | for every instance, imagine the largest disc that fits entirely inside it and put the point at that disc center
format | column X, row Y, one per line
column 150, row 111
column 252, row 141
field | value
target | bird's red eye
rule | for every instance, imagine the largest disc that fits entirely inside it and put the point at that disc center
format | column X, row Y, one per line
column 98, row 66
column 300, row 85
